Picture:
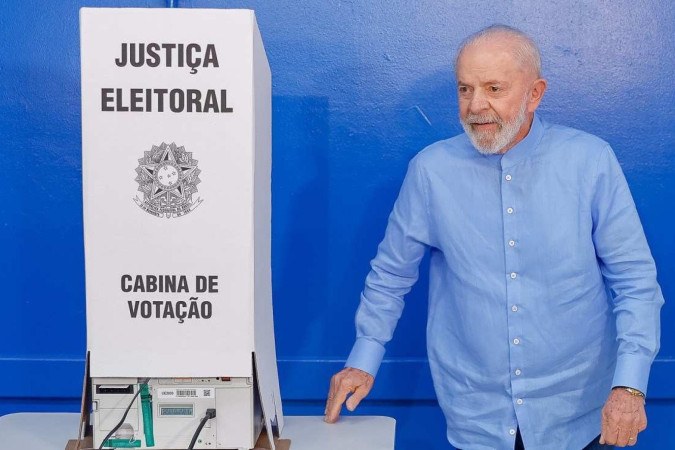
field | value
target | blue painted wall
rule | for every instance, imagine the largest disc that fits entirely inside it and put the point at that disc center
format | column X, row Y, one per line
column 359, row 87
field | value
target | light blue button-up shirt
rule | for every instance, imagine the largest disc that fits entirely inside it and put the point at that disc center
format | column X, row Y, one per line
column 543, row 291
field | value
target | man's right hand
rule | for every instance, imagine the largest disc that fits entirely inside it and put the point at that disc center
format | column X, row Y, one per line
column 348, row 381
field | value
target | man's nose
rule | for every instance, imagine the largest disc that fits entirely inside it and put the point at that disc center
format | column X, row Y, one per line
column 478, row 103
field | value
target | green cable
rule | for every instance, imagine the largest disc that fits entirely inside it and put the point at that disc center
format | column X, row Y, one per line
column 122, row 443
column 146, row 407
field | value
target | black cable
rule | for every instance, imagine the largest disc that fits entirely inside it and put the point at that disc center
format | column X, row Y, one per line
column 124, row 416
column 210, row 414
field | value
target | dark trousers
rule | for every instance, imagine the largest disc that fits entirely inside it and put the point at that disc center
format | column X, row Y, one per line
column 594, row 445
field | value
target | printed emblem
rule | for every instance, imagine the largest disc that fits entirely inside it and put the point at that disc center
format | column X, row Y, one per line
column 168, row 178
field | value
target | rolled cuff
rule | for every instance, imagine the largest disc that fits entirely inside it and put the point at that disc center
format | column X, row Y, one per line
column 366, row 355
column 632, row 371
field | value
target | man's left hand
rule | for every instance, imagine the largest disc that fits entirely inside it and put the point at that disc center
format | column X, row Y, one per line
column 623, row 417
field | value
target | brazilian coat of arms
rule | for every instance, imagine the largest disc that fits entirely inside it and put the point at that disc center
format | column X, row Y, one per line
column 168, row 176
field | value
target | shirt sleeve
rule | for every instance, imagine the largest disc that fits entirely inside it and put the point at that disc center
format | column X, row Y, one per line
column 394, row 271
column 629, row 272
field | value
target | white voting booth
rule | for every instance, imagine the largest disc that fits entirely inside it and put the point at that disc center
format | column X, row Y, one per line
column 176, row 143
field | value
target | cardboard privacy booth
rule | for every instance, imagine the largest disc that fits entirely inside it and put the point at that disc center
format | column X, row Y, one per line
column 176, row 149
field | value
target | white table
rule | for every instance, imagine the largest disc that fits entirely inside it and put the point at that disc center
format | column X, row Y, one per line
column 51, row 431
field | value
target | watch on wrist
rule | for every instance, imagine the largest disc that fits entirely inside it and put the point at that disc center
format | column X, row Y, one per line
column 632, row 391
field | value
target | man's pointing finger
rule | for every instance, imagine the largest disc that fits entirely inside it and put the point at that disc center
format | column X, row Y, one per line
column 335, row 403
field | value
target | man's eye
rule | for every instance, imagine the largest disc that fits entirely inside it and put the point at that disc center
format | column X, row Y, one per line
column 495, row 89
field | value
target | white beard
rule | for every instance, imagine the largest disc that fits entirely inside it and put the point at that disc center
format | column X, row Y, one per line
column 487, row 142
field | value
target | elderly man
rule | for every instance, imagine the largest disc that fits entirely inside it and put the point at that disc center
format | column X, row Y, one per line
column 543, row 299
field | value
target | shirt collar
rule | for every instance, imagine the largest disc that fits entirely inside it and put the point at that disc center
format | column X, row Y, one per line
column 527, row 147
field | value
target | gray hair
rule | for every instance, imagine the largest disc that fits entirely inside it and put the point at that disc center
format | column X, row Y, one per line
column 524, row 48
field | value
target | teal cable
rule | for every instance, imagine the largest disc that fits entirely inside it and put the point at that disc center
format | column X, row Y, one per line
column 146, row 407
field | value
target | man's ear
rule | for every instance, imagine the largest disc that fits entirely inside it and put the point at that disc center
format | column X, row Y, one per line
column 536, row 94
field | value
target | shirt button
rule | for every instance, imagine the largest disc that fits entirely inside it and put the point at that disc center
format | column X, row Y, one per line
column 508, row 177
column 512, row 432
column 513, row 275
column 516, row 341
column 518, row 372
column 512, row 243
column 509, row 210
column 519, row 401
column 514, row 308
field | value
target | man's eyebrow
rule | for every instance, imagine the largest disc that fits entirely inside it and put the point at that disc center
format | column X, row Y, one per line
column 484, row 83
